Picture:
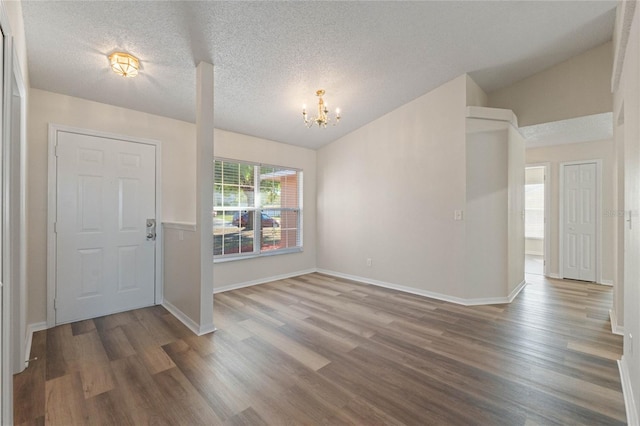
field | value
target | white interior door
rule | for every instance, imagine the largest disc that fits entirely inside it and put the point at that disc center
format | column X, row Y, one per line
column 105, row 195
column 579, row 207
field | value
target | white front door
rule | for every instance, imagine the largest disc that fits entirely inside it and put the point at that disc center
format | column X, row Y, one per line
column 579, row 206
column 105, row 195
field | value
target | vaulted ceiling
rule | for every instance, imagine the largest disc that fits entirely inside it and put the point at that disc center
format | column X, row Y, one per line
column 271, row 57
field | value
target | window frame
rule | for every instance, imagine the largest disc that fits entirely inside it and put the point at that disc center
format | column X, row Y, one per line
column 257, row 209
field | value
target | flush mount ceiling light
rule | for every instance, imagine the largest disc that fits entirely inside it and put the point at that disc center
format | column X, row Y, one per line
column 323, row 119
column 124, row 64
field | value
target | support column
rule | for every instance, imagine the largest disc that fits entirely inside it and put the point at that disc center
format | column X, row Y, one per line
column 204, row 190
column 188, row 247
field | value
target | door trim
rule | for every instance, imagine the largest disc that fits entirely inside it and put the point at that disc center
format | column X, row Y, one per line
column 547, row 214
column 598, row 265
column 52, row 214
column 6, row 355
column 18, row 140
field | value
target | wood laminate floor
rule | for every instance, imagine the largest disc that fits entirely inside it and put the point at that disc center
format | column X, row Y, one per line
column 322, row 350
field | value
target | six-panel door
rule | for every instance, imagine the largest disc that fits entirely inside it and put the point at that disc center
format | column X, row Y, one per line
column 105, row 194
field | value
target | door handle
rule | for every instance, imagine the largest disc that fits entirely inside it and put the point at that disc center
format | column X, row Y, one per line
column 151, row 229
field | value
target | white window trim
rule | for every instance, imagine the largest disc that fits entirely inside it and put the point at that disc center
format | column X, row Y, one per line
column 223, row 258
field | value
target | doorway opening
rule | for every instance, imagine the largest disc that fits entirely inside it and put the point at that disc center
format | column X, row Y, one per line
column 535, row 219
column 580, row 189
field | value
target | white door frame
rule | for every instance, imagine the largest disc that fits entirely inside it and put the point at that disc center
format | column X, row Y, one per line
column 598, row 265
column 52, row 214
column 6, row 357
column 18, row 214
column 547, row 213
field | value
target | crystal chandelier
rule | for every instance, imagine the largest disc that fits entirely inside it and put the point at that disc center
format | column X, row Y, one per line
column 323, row 119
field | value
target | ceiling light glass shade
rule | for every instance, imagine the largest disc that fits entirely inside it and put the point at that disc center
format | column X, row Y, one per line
column 124, row 64
column 323, row 119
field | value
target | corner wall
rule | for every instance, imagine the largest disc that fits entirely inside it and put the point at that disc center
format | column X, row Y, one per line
column 388, row 191
column 577, row 87
column 494, row 259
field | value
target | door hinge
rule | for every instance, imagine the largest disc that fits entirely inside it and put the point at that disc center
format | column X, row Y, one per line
column 55, row 227
column 55, row 150
column 55, row 304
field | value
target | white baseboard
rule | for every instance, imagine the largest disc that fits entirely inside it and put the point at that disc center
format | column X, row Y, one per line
column 32, row 328
column 534, row 253
column 199, row 330
column 516, row 291
column 606, row 282
column 261, row 281
column 615, row 328
column 554, row 276
column 430, row 294
column 627, row 391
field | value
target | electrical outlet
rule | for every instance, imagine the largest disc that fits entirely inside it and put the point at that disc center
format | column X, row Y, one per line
column 369, row 262
column 457, row 215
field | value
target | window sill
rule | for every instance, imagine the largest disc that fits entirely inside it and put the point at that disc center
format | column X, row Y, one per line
column 257, row 255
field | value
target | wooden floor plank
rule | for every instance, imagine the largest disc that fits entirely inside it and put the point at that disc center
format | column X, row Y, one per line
column 116, row 343
column 298, row 351
column 323, row 350
column 29, row 386
column 65, row 403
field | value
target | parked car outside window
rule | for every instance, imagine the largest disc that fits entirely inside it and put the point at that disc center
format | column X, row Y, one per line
column 242, row 220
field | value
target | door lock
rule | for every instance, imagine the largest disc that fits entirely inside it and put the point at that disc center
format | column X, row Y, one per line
column 151, row 229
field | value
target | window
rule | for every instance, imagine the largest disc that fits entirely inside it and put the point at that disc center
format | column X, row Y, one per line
column 534, row 211
column 257, row 209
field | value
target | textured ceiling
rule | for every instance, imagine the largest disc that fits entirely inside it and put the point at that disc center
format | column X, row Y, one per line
column 595, row 127
column 270, row 57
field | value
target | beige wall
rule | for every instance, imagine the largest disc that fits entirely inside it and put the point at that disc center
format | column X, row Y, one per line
column 178, row 178
column 577, row 87
column 475, row 95
column 388, row 191
column 14, row 12
column 534, row 175
column 555, row 155
column 534, row 246
column 241, row 147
